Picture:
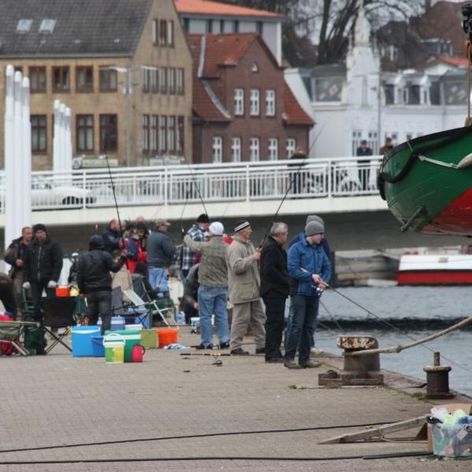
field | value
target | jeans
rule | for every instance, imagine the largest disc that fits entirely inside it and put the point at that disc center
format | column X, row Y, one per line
column 213, row 300
column 304, row 311
column 158, row 278
column 99, row 302
column 274, row 325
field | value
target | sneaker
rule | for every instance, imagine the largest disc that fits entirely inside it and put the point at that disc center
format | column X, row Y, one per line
column 275, row 360
column 224, row 345
column 311, row 365
column 292, row 365
column 239, row 352
column 202, row 346
column 316, row 352
column 260, row 350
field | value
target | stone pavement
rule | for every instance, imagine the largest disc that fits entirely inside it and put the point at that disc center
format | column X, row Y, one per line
column 57, row 400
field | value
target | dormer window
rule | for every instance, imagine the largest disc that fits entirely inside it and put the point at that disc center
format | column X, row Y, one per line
column 254, row 68
column 24, row 25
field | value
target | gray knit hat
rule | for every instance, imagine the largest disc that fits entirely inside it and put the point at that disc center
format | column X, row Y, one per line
column 314, row 227
column 314, row 218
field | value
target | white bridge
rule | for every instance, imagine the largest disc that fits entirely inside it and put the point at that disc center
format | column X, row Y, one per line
column 222, row 190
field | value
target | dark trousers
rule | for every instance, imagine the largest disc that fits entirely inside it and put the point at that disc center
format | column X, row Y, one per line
column 37, row 288
column 274, row 325
column 304, row 311
column 99, row 303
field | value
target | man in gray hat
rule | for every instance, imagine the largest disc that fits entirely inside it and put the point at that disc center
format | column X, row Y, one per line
column 310, row 271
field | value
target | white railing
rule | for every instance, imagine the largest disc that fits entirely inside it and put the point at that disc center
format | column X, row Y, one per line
column 315, row 178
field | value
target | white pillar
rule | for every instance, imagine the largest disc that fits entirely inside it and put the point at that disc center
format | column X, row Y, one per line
column 56, row 139
column 25, row 171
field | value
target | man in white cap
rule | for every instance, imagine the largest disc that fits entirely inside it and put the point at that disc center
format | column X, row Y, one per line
column 244, row 286
column 213, row 289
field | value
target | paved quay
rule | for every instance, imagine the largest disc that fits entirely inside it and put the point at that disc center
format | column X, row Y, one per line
column 126, row 412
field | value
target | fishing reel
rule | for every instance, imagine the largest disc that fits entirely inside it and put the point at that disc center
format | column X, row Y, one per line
column 467, row 19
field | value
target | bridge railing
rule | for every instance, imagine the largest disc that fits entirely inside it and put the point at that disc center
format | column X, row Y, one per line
column 311, row 178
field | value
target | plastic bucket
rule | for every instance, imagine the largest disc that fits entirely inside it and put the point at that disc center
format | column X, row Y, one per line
column 131, row 338
column 97, row 346
column 82, row 340
column 114, row 345
column 167, row 336
column 149, row 338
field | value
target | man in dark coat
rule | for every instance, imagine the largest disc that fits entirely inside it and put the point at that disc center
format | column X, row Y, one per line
column 274, row 289
column 42, row 267
column 94, row 280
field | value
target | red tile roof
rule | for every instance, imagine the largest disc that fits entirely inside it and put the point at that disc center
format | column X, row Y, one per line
column 206, row 7
column 294, row 114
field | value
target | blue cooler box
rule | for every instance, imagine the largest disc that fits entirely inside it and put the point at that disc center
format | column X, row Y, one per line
column 82, row 340
column 117, row 323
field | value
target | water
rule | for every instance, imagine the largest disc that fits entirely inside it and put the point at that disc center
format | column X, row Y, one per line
column 404, row 314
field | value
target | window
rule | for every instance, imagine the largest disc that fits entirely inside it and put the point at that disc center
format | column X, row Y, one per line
column 273, row 149
column 163, row 77
column 24, row 25
column 108, row 133
column 356, row 141
column 170, row 33
column 155, row 80
column 236, row 149
column 162, row 133
column 108, row 80
column 60, row 79
column 239, row 102
column 39, row 128
column 254, row 102
column 290, row 147
column 163, row 33
column 270, row 102
column 171, row 80
column 84, row 78
column 209, row 26
column 154, row 132
column 179, row 81
column 236, row 26
column 389, row 90
column 217, row 149
column 171, row 133
column 180, row 135
column 254, row 149
column 84, row 133
column 414, row 96
column 47, row 25
column 146, row 80
column 146, row 134
column 155, row 32
column 37, row 76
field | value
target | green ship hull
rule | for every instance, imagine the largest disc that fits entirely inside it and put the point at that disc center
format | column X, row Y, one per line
column 427, row 182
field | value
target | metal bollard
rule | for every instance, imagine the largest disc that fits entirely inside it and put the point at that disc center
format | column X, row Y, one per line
column 437, row 379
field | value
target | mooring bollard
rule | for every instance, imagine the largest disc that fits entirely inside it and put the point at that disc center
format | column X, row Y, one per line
column 437, row 379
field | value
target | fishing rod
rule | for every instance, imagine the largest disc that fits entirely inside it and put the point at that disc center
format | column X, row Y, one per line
column 112, row 183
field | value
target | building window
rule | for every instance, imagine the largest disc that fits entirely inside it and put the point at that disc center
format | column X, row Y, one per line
column 273, row 149
column 180, row 135
column 60, row 79
column 84, row 78
column 414, row 95
column 163, row 77
column 171, row 80
column 236, row 26
column 236, row 149
column 290, row 147
column 179, row 81
column 217, row 149
column 239, row 102
column 389, row 90
column 146, row 134
column 170, row 33
column 155, row 80
column 108, row 133
column 84, row 133
column 37, row 76
column 254, row 150
column 209, row 26
column 254, row 102
column 162, row 133
column 186, row 24
column 154, row 133
column 108, row 80
column 146, row 80
column 270, row 102
column 171, row 133
column 356, row 141
column 163, row 33
column 155, row 32
column 39, row 128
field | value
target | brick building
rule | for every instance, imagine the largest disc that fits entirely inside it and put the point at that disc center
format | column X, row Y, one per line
column 122, row 66
column 243, row 109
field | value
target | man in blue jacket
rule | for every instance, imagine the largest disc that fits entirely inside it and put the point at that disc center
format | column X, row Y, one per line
column 309, row 270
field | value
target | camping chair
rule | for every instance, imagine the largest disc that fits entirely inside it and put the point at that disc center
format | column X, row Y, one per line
column 11, row 332
column 27, row 308
column 58, row 313
column 151, row 307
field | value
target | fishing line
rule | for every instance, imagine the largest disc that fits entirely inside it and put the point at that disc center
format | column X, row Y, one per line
column 331, row 315
column 114, row 198
column 390, row 325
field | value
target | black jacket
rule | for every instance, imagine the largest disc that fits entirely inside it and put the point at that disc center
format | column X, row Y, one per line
column 42, row 262
column 15, row 251
column 274, row 273
column 94, row 269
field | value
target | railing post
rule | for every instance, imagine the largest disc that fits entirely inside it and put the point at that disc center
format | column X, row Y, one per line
column 330, row 177
column 248, row 187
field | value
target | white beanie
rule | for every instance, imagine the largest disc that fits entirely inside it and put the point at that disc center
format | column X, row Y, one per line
column 217, row 228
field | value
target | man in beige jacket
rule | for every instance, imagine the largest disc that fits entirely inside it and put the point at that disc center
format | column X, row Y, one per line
column 244, row 284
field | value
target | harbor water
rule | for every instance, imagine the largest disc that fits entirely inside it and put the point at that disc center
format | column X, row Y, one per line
column 398, row 316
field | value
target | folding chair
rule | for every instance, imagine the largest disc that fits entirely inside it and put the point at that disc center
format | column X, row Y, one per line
column 11, row 332
column 152, row 306
column 58, row 313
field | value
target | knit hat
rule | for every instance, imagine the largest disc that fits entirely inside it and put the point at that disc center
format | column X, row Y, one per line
column 162, row 222
column 203, row 218
column 96, row 242
column 39, row 227
column 314, row 227
column 217, row 228
column 314, row 218
column 240, row 225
